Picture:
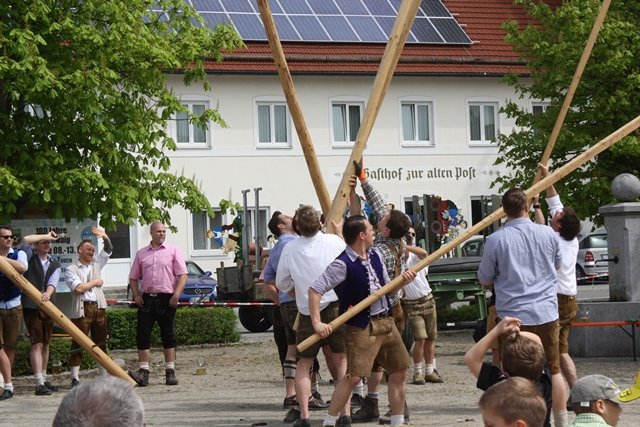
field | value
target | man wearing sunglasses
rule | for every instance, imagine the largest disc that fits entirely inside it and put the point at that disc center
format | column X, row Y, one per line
column 10, row 307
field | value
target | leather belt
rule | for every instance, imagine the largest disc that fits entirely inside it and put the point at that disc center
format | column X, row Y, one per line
column 91, row 302
column 379, row 315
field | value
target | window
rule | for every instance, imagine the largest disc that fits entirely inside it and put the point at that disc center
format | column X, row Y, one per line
column 483, row 122
column 207, row 233
column 538, row 108
column 188, row 132
column 263, row 217
column 346, row 121
column 274, row 128
column 121, row 241
column 416, row 122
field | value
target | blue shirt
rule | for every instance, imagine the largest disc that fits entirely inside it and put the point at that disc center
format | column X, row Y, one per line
column 272, row 264
column 520, row 260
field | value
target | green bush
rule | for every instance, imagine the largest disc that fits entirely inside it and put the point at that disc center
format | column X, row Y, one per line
column 464, row 313
column 193, row 325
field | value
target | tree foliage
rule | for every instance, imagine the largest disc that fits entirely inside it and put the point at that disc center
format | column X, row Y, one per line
column 607, row 97
column 84, row 106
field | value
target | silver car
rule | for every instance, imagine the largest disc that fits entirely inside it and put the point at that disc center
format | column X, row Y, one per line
column 592, row 255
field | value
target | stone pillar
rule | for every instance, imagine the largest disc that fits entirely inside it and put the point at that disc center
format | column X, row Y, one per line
column 622, row 221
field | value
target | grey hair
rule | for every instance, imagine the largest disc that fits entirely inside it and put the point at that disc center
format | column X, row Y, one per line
column 104, row 401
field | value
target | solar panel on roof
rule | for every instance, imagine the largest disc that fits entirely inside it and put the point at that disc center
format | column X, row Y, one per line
column 337, row 27
column 334, row 20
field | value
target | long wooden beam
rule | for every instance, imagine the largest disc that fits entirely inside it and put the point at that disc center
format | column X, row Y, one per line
column 591, row 41
column 294, row 106
column 54, row 313
column 535, row 189
column 401, row 27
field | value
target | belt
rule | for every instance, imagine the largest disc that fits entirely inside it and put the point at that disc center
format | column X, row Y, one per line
column 419, row 300
column 379, row 315
column 153, row 295
column 91, row 302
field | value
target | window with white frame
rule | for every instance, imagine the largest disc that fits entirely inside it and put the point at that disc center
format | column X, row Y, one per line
column 274, row 124
column 538, row 108
column 188, row 133
column 263, row 217
column 207, row 234
column 346, row 117
column 483, row 122
column 417, row 122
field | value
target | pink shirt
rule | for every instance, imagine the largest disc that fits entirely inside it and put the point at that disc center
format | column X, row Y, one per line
column 159, row 268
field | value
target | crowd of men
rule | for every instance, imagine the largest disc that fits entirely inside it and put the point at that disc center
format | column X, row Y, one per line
column 314, row 277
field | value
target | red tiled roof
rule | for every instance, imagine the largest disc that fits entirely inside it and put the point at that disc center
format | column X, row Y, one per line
column 481, row 19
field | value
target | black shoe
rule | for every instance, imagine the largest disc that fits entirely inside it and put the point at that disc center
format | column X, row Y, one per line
column 344, row 421
column 141, row 377
column 6, row 394
column 42, row 390
column 367, row 412
column 291, row 416
column 302, row 423
column 290, row 402
column 356, row 400
column 50, row 386
column 171, row 377
column 74, row 382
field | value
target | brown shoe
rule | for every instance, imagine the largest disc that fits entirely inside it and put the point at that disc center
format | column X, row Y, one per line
column 367, row 412
column 171, row 377
column 418, row 378
column 141, row 377
column 433, row 377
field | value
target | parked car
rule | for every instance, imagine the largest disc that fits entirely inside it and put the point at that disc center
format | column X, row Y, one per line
column 592, row 255
column 473, row 246
column 200, row 286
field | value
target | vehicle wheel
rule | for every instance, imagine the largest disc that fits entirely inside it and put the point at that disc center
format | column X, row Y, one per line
column 254, row 319
column 580, row 274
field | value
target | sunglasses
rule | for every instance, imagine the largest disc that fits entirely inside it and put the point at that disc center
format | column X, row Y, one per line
column 10, row 237
column 411, row 233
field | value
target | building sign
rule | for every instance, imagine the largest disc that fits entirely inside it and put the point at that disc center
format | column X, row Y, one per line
column 63, row 250
column 418, row 174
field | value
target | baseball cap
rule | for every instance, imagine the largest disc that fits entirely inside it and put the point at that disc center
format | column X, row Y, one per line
column 631, row 393
column 594, row 387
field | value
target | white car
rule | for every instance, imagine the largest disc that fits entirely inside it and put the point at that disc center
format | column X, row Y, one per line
column 592, row 256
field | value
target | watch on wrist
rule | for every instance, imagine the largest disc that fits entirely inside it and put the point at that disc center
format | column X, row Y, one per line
column 536, row 206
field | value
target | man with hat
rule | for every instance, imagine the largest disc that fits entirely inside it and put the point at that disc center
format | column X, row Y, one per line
column 596, row 402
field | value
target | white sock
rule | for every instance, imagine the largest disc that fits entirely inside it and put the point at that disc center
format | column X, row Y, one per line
column 144, row 365
column 560, row 418
column 39, row 378
column 169, row 365
column 397, row 420
column 417, row 368
column 434, row 363
column 8, row 386
column 373, row 394
column 428, row 369
column 75, row 372
column 359, row 389
column 330, row 420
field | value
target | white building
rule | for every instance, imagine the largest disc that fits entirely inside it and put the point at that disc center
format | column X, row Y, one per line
column 433, row 135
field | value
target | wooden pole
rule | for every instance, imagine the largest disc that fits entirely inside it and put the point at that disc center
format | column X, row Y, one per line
column 546, row 155
column 401, row 27
column 54, row 313
column 294, row 106
column 535, row 189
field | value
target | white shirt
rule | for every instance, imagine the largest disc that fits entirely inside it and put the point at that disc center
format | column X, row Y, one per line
column 419, row 287
column 84, row 273
column 302, row 262
column 567, row 284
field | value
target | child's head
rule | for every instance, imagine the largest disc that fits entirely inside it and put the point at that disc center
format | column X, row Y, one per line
column 514, row 402
column 523, row 356
column 599, row 395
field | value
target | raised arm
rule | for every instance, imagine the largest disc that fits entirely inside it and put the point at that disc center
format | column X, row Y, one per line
column 475, row 356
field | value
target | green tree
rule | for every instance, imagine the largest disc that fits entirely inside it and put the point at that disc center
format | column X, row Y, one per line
column 607, row 97
column 84, row 106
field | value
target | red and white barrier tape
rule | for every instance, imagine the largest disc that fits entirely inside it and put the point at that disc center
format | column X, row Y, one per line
column 202, row 304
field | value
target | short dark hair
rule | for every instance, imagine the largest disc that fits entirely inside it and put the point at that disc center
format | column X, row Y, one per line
column 398, row 224
column 352, row 227
column 274, row 222
column 569, row 224
column 522, row 357
column 83, row 242
column 308, row 221
column 514, row 202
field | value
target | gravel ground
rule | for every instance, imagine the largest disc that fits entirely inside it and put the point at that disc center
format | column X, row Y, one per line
column 243, row 387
